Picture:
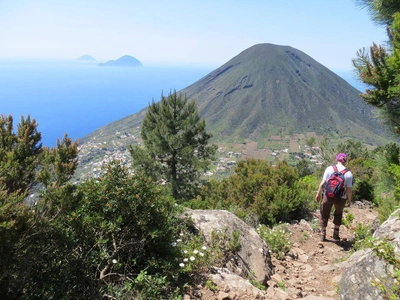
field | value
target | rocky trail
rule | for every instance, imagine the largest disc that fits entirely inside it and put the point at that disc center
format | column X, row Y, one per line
column 312, row 269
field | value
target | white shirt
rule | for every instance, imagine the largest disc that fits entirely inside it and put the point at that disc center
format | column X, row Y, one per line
column 348, row 177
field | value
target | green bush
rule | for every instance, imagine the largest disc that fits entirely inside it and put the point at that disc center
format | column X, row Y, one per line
column 387, row 190
column 363, row 237
column 127, row 225
column 277, row 239
column 348, row 220
column 268, row 193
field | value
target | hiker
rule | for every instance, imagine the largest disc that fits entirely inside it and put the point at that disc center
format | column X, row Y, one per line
column 338, row 199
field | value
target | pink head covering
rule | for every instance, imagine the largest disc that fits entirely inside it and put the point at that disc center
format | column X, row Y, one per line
column 342, row 157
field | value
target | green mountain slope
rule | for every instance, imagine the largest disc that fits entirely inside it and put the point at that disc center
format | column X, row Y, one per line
column 270, row 90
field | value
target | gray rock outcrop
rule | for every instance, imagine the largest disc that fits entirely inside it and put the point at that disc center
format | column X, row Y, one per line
column 364, row 267
column 252, row 258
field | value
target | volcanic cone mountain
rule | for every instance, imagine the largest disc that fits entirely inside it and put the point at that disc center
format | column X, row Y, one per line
column 271, row 90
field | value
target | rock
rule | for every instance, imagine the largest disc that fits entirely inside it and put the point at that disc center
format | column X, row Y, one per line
column 356, row 281
column 390, row 229
column 253, row 257
column 306, row 224
column 276, row 277
column 223, row 296
column 362, row 204
column 364, row 267
column 226, row 280
column 327, row 269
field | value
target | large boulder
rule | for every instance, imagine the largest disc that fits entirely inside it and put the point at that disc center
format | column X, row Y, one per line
column 364, row 267
column 253, row 257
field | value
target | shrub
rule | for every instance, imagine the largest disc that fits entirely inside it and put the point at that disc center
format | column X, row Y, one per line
column 269, row 194
column 363, row 237
column 348, row 219
column 126, row 228
column 277, row 239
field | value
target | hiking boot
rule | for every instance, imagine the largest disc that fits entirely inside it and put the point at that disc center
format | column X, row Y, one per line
column 322, row 235
column 336, row 234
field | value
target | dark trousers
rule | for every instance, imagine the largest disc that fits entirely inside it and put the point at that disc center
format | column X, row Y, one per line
column 325, row 210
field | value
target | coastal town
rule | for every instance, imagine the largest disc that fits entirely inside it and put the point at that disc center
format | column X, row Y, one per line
column 96, row 154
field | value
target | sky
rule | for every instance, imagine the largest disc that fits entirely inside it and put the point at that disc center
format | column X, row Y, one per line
column 184, row 32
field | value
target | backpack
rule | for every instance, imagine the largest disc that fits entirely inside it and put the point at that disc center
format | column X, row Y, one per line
column 335, row 185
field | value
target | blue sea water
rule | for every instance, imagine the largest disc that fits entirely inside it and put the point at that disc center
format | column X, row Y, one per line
column 78, row 97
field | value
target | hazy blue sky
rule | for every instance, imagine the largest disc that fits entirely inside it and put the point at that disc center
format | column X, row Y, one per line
column 206, row 32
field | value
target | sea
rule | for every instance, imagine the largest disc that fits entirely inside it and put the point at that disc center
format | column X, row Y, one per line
column 78, row 97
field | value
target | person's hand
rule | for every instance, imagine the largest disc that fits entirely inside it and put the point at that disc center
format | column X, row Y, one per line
column 317, row 197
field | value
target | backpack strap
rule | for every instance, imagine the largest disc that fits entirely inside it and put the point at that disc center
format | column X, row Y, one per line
column 335, row 169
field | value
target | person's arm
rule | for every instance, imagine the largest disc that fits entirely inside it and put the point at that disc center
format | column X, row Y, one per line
column 318, row 196
column 349, row 193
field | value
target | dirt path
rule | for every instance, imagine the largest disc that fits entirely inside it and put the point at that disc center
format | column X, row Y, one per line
column 313, row 267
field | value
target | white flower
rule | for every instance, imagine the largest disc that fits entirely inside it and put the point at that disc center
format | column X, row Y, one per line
column 192, row 258
column 185, row 260
column 114, row 261
column 173, row 244
column 185, row 251
column 195, row 251
column 181, row 234
column 181, row 265
column 204, row 247
column 201, row 254
column 179, row 240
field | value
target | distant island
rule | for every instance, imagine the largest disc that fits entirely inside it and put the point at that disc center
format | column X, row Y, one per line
column 124, row 61
column 86, row 57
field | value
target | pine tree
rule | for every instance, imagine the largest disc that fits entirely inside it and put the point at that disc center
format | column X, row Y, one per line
column 176, row 145
column 25, row 165
column 33, row 234
column 381, row 11
column 380, row 69
column 19, row 152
